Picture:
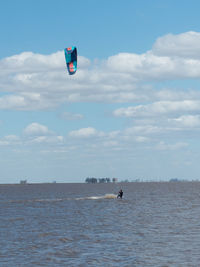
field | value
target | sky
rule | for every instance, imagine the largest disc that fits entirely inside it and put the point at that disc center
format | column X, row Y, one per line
column 131, row 111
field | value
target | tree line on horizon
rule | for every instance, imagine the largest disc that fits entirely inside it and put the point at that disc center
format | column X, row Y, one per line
column 93, row 180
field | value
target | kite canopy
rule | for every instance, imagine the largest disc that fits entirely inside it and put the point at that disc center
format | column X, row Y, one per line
column 71, row 59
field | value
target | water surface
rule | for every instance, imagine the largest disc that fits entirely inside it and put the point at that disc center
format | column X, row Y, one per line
column 156, row 224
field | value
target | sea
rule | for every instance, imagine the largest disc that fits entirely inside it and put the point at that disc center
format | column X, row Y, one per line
column 155, row 224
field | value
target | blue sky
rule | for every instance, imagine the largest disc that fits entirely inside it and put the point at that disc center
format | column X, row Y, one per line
column 132, row 109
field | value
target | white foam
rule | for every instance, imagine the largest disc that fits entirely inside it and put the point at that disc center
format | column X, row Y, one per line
column 106, row 196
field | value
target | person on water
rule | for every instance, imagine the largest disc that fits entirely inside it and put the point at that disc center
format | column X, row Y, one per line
column 120, row 194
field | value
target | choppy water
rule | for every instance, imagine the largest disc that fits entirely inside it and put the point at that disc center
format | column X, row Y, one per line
column 156, row 224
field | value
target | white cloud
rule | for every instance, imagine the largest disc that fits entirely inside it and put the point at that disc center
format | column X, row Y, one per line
column 142, row 129
column 176, row 95
column 48, row 139
column 150, row 67
column 10, row 140
column 188, row 121
column 86, row 132
column 34, row 63
column 141, row 139
column 158, row 108
column 185, row 45
column 36, row 129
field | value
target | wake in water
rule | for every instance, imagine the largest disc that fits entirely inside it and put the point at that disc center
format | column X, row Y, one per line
column 47, row 200
column 106, row 196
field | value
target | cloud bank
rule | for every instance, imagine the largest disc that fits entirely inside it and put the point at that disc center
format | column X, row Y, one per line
column 139, row 82
column 30, row 81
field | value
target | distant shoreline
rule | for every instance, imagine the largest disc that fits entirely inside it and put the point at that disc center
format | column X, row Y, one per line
column 132, row 182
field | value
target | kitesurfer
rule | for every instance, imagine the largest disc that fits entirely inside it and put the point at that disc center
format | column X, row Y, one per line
column 120, row 194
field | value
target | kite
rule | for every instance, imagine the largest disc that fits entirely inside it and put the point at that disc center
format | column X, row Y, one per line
column 71, row 59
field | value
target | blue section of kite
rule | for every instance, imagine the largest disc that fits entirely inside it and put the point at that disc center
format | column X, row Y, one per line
column 71, row 59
